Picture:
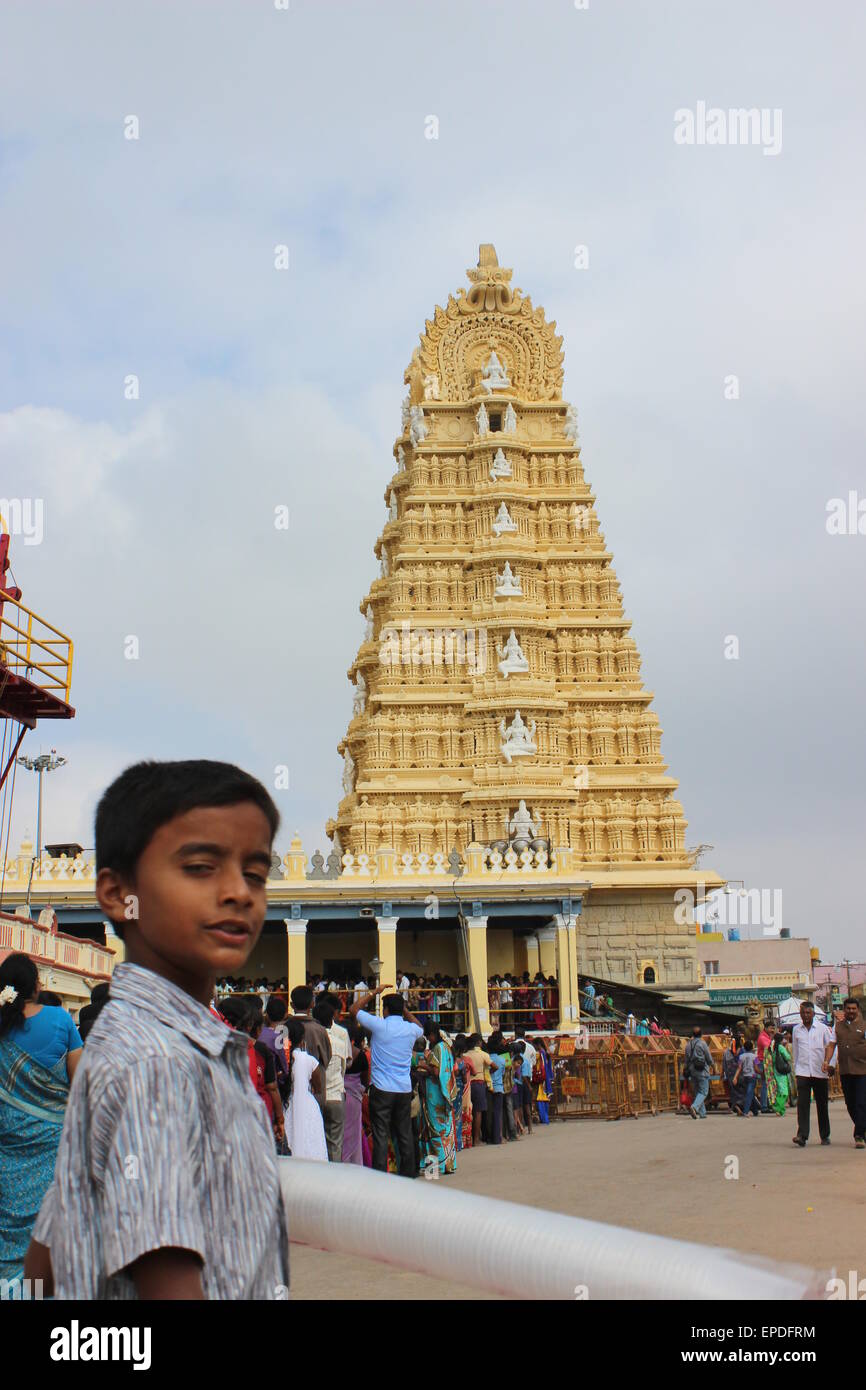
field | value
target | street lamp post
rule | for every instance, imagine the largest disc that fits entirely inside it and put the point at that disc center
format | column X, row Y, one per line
column 46, row 762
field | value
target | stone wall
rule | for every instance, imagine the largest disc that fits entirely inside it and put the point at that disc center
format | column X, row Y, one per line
column 621, row 933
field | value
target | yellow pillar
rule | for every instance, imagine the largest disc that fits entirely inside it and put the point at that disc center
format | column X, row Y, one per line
column 476, row 935
column 296, row 933
column 387, row 953
column 532, row 958
column 546, row 951
column 565, row 930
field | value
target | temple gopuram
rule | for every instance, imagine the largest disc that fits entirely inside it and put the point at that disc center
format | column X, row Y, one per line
column 506, row 805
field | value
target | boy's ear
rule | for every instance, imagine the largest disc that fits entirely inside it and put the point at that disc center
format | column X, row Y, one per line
column 117, row 902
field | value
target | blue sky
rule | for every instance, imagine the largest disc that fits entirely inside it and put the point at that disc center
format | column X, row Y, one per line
column 261, row 127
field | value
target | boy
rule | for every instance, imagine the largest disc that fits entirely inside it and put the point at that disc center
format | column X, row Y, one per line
column 152, row 1194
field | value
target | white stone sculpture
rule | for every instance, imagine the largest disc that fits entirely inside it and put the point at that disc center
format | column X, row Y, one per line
column 417, row 426
column 507, row 583
column 384, row 567
column 580, row 518
column 401, row 459
column 404, row 412
column 431, row 387
column 348, row 773
column 570, row 426
column 482, row 420
column 360, row 697
column 392, row 506
column 512, row 659
column 494, row 376
column 519, row 739
column 509, row 424
column 521, row 823
column 368, row 627
column 500, row 467
column 503, row 521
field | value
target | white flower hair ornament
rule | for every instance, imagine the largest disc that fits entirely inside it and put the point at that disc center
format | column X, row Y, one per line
column 8, row 994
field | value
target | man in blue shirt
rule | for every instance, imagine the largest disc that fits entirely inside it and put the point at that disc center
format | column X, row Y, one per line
column 393, row 1038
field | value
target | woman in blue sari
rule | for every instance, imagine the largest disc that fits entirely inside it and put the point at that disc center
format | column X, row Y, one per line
column 39, row 1051
column 438, row 1140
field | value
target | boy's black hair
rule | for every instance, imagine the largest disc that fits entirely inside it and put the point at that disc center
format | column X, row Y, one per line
column 149, row 794
column 276, row 1009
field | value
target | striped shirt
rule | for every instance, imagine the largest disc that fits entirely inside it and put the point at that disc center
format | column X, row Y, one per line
column 165, row 1144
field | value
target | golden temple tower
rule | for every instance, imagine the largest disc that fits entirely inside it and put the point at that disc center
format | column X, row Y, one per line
column 498, row 699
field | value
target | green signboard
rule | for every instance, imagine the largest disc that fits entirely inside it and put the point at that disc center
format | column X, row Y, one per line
column 772, row 995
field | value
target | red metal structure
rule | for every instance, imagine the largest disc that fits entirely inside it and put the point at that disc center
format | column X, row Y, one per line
column 35, row 664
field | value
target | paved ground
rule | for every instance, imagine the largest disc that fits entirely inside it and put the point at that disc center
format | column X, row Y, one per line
column 660, row 1173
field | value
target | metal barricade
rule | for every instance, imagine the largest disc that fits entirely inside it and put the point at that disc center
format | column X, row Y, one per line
column 588, row 1080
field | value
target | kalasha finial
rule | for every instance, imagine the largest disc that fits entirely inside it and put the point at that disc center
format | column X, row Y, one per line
column 487, row 255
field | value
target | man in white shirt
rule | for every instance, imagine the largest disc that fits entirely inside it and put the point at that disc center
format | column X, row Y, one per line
column 530, row 1052
column 334, row 1111
column 404, row 987
column 814, row 1044
column 361, row 988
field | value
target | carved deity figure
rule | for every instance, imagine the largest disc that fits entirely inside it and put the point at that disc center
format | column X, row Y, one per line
column 401, row 459
column 494, row 376
column 482, row 421
column 417, row 425
column 359, row 699
column 392, row 507
column 431, row 387
column 518, row 738
column 500, row 467
column 404, row 412
column 348, row 773
column 522, row 824
column 569, row 429
column 503, row 521
column 368, row 626
column 509, row 424
column 512, row 659
column 507, row 583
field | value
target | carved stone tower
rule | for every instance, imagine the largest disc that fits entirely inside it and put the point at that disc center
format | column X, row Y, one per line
column 497, row 665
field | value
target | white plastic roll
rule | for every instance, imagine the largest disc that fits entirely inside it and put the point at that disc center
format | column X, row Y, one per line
column 512, row 1250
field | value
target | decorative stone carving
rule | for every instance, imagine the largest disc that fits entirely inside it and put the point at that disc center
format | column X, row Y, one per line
column 508, row 583
column 401, row 459
column 512, row 659
column 518, row 738
column 348, row 773
column 482, row 421
column 405, row 408
column 500, row 467
column 431, row 387
column 522, row 824
column 417, row 425
column 368, row 624
column 493, row 375
column 569, row 429
column 509, row 424
column 359, row 700
column 392, row 507
column 503, row 521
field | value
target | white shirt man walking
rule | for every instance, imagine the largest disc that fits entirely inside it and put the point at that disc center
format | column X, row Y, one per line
column 814, row 1044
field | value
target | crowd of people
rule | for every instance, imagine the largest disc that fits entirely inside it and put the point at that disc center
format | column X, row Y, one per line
column 513, row 1001
column 392, row 1091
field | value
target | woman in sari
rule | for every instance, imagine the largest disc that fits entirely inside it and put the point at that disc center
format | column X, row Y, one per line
column 539, row 989
column 463, row 1073
column 437, row 1104
column 39, row 1051
column 543, row 1080
column 778, row 1062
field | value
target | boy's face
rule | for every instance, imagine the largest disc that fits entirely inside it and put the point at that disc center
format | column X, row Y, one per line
column 199, row 894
